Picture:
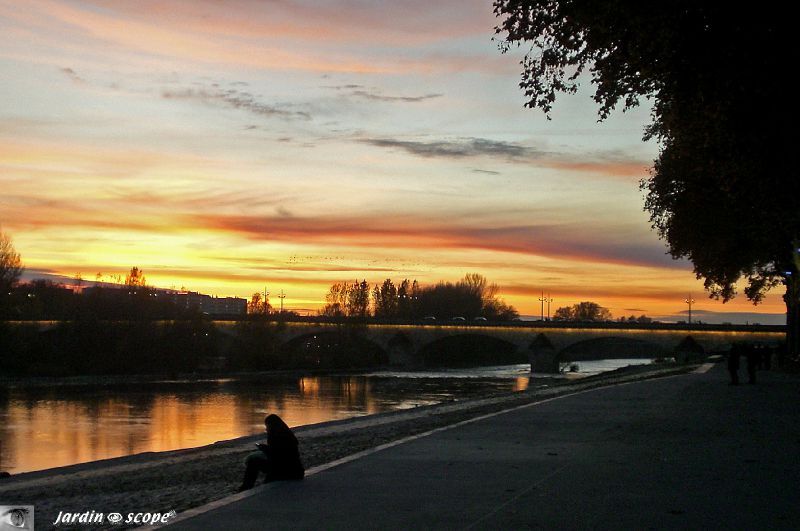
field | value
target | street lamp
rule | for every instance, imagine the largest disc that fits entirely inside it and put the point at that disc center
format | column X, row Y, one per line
column 549, row 300
column 542, row 299
column 689, row 301
column 281, row 297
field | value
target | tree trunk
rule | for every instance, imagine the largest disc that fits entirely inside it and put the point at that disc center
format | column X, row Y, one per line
column 792, row 300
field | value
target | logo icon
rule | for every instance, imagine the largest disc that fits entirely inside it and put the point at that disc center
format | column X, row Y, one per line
column 13, row 517
column 114, row 518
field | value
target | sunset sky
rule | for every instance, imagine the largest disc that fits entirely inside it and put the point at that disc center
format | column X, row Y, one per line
column 225, row 146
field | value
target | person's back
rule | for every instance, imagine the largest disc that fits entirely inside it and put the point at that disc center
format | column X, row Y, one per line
column 279, row 459
column 283, row 450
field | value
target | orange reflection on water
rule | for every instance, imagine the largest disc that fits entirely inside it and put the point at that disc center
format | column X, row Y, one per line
column 521, row 383
column 62, row 432
column 50, row 427
column 309, row 386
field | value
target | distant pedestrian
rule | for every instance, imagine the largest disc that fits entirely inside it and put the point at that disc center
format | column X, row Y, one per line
column 753, row 356
column 279, row 459
column 733, row 362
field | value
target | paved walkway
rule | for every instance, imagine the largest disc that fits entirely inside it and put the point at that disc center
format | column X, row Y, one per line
column 685, row 452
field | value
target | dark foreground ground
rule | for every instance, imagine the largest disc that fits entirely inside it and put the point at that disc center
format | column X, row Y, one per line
column 683, row 452
column 182, row 479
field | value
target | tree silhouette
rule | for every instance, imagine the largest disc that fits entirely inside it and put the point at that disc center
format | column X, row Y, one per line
column 10, row 271
column 135, row 279
column 723, row 192
column 258, row 305
column 584, row 311
column 385, row 299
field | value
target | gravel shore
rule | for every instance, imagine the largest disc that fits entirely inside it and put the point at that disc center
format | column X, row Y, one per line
column 183, row 479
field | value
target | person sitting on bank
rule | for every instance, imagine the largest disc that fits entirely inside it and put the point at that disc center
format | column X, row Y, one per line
column 279, row 459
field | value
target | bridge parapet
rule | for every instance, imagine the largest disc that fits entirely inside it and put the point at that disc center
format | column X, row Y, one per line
column 404, row 341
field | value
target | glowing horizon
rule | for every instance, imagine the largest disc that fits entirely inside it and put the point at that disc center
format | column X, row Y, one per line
column 224, row 147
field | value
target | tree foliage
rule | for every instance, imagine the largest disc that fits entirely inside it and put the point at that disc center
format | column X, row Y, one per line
column 258, row 304
column 10, row 269
column 583, row 311
column 135, row 278
column 347, row 300
column 722, row 192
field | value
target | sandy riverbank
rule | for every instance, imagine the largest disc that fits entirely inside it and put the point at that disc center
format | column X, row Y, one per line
column 182, row 479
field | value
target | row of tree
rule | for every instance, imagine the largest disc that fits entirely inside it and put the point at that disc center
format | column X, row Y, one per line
column 471, row 297
column 593, row 312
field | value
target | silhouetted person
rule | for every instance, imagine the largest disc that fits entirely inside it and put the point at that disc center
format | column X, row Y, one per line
column 279, row 459
column 753, row 356
column 733, row 363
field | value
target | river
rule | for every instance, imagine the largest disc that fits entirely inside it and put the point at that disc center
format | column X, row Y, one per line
column 45, row 427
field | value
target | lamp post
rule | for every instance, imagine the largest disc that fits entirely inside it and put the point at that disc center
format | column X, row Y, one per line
column 542, row 299
column 549, row 300
column 689, row 301
column 281, row 297
column 266, row 294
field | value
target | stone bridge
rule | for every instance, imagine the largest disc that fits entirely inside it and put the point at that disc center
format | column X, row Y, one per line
column 544, row 346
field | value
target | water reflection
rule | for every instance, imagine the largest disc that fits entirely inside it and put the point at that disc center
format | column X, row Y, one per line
column 48, row 427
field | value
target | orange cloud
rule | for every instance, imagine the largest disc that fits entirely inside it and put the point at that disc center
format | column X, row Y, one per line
column 569, row 241
column 263, row 36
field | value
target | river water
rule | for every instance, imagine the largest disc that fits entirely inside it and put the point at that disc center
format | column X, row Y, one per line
column 45, row 427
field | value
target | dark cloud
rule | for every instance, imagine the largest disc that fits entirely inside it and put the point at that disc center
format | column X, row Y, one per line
column 236, row 99
column 283, row 212
column 381, row 97
column 70, row 73
column 343, row 87
column 360, row 91
column 458, row 149
column 487, row 172
column 613, row 163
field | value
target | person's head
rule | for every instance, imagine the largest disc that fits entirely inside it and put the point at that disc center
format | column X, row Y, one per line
column 277, row 428
column 273, row 422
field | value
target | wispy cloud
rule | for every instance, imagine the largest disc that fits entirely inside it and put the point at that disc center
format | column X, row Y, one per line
column 611, row 163
column 457, row 149
column 300, row 36
column 596, row 292
column 375, row 96
column 70, row 73
column 372, row 94
column 487, row 172
column 565, row 241
column 235, row 99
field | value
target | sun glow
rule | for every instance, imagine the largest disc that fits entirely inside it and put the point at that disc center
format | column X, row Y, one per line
column 224, row 150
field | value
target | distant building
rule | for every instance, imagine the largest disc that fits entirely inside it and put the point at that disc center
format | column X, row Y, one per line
column 186, row 300
column 213, row 306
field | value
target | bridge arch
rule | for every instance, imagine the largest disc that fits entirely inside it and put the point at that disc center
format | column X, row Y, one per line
column 470, row 350
column 331, row 349
column 616, row 347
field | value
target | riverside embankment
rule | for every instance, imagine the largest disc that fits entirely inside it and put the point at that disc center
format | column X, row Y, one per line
column 688, row 451
column 182, row 479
